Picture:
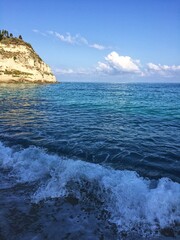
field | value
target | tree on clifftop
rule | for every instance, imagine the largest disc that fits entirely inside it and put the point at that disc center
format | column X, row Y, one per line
column 5, row 34
column 1, row 36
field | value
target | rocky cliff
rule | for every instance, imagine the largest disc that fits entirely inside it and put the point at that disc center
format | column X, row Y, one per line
column 20, row 63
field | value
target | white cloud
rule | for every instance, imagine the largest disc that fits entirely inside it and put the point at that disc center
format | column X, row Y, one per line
column 64, row 71
column 76, row 40
column 69, row 71
column 97, row 46
column 104, row 68
column 35, row 30
column 68, row 38
column 39, row 32
column 117, row 64
column 114, row 65
column 163, row 70
column 50, row 32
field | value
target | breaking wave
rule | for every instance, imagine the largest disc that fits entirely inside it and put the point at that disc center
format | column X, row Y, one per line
column 133, row 202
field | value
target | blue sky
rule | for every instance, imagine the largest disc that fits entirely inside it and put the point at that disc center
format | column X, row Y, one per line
column 117, row 40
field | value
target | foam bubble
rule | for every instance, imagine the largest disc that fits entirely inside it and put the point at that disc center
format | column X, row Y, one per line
column 132, row 201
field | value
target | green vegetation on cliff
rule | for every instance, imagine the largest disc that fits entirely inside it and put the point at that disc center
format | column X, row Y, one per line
column 4, row 34
column 8, row 38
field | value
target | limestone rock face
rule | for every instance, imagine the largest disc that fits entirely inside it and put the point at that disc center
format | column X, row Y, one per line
column 20, row 63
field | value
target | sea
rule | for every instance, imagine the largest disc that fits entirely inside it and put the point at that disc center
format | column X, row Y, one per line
column 90, row 161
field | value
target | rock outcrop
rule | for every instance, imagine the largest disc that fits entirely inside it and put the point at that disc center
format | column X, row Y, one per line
column 20, row 63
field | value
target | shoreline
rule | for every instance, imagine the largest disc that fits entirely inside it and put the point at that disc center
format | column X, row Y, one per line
column 28, row 82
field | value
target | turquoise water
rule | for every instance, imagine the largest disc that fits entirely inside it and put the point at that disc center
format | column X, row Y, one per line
column 90, row 161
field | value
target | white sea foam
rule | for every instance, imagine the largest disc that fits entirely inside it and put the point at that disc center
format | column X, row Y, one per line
column 133, row 202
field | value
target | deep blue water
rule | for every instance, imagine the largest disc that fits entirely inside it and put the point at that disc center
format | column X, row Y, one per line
column 90, row 161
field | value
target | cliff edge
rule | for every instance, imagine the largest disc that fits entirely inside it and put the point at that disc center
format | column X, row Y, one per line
column 20, row 63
